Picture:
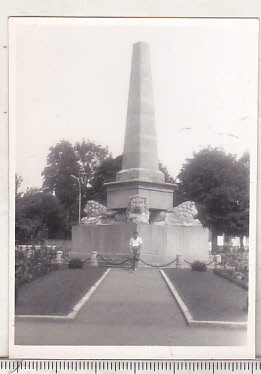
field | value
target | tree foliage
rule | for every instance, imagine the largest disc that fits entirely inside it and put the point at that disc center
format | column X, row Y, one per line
column 65, row 160
column 18, row 182
column 219, row 185
column 168, row 177
column 89, row 158
column 39, row 216
column 106, row 172
column 61, row 164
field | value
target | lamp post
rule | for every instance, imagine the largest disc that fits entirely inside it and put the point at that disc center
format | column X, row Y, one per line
column 80, row 195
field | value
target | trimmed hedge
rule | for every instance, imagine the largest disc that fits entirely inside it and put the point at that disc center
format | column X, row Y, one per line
column 199, row 266
column 75, row 263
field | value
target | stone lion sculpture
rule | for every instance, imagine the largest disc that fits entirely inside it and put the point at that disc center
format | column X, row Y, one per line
column 137, row 210
column 184, row 215
column 98, row 214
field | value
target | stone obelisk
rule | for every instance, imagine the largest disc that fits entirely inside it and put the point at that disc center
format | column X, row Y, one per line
column 163, row 236
column 140, row 174
column 140, row 154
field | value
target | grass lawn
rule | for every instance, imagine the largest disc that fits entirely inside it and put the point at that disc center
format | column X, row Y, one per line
column 57, row 292
column 208, row 296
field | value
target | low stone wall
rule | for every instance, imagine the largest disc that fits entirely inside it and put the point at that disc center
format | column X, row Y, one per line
column 59, row 243
column 105, row 239
column 162, row 243
column 171, row 240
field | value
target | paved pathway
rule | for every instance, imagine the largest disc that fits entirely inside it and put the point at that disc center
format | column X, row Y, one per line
column 127, row 309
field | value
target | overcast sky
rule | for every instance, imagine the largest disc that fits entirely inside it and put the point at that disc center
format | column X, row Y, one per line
column 70, row 78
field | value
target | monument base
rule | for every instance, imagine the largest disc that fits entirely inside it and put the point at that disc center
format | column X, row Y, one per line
column 158, row 195
column 161, row 243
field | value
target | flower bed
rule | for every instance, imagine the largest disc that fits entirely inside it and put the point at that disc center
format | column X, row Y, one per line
column 235, row 267
column 232, row 276
column 33, row 264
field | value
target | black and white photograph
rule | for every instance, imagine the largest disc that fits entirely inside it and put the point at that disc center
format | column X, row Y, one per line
column 133, row 171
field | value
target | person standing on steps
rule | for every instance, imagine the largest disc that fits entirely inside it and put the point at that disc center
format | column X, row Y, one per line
column 135, row 247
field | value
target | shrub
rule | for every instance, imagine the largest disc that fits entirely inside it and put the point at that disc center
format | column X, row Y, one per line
column 235, row 263
column 27, row 267
column 75, row 263
column 199, row 266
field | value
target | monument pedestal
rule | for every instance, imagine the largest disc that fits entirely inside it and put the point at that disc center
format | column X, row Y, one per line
column 161, row 243
column 158, row 195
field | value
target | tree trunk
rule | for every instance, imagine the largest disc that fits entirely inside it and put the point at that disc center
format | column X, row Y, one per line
column 241, row 241
column 67, row 213
column 214, row 241
column 227, row 240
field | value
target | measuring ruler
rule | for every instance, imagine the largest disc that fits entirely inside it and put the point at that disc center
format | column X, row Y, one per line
column 129, row 366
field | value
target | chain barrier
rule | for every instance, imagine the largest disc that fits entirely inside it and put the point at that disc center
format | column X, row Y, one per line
column 157, row 266
column 87, row 259
column 66, row 259
column 129, row 259
column 112, row 263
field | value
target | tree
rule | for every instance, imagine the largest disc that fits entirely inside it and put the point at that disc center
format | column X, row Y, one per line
column 219, row 185
column 244, row 174
column 18, row 205
column 89, row 157
column 106, row 172
column 18, row 182
column 61, row 164
column 39, row 216
column 168, row 177
column 65, row 160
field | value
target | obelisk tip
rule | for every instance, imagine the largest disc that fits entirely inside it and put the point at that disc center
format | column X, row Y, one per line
column 140, row 43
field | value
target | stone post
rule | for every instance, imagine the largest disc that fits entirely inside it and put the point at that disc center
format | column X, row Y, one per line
column 217, row 261
column 211, row 261
column 94, row 261
column 179, row 261
column 59, row 255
